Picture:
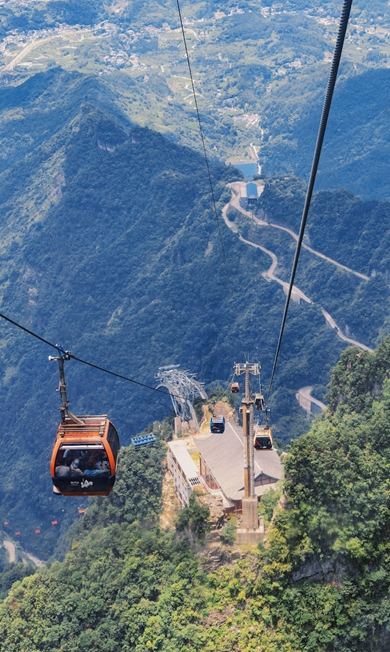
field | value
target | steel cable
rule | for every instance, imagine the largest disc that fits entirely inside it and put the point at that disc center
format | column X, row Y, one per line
column 204, row 148
column 85, row 362
column 313, row 173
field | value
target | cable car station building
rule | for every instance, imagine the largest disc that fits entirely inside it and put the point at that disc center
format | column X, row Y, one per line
column 184, row 470
column 249, row 194
column 220, row 467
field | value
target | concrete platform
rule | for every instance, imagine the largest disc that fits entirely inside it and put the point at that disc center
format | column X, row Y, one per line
column 246, row 536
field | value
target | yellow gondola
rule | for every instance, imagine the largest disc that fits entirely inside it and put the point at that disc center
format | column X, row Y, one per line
column 263, row 438
column 259, row 401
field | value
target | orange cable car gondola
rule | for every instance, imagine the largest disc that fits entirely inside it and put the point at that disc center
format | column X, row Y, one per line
column 84, row 457
column 235, row 388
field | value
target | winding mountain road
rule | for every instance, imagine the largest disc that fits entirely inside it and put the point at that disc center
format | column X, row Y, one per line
column 296, row 294
column 306, row 400
column 235, row 203
column 318, row 253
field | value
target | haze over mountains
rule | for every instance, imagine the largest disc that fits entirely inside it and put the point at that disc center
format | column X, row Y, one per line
column 109, row 242
column 260, row 71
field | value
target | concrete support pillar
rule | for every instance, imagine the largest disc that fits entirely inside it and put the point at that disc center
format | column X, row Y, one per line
column 250, row 530
column 178, row 428
column 250, row 518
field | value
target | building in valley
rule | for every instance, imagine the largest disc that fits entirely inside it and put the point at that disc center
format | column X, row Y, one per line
column 248, row 194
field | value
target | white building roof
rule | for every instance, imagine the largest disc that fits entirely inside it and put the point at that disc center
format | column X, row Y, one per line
column 224, row 456
column 180, row 452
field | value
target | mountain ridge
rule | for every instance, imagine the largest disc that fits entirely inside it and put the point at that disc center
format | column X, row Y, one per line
column 126, row 271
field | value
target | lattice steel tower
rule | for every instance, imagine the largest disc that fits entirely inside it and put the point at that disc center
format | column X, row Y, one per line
column 183, row 388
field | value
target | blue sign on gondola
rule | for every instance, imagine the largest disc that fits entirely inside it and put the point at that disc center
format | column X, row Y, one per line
column 142, row 440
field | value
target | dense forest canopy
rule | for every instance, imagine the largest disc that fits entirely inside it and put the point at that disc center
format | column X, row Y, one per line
column 318, row 583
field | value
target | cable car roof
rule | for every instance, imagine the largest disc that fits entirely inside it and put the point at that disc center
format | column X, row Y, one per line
column 81, row 446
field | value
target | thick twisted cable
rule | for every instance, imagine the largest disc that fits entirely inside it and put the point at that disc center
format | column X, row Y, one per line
column 317, row 153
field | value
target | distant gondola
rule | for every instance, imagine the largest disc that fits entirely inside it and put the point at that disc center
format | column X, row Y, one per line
column 259, row 402
column 235, row 388
column 217, row 425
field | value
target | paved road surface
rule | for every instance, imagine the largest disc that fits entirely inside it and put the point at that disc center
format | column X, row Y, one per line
column 235, row 202
column 305, row 392
column 270, row 273
column 35, row 43
column 319, row 254
column 341, row 335
column 38, row 562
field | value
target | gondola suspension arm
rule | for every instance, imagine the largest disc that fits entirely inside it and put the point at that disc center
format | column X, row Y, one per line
column 66, row 414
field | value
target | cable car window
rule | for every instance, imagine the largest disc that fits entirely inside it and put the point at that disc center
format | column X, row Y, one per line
column 113, row 440
column 82, row 461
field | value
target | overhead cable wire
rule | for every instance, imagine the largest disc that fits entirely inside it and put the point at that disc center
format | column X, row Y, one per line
column 204, row 145
column 313, row 173
column 26, row 330
column 85, row 362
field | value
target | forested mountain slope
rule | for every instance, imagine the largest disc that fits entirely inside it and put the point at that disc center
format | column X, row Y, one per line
column 260, row 71
column 110, row 247
column 356, row 146
column 319, row 582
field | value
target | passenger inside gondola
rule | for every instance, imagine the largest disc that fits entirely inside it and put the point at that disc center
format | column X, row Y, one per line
column 82, row 463
column 62, row 468
column 92, row 470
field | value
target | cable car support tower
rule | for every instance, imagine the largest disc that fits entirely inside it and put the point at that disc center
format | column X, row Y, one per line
column 249, row 532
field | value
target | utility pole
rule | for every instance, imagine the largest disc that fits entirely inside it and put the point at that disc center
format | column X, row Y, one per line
column 249, row 531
